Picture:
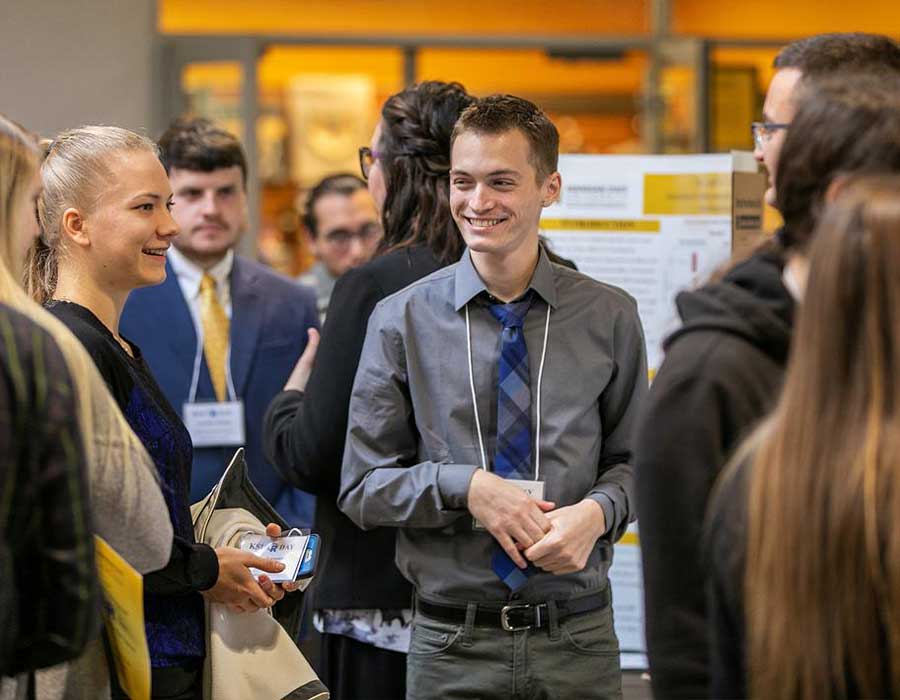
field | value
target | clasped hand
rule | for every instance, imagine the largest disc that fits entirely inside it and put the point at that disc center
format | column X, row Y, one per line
column 558, row 541
column 237, row 588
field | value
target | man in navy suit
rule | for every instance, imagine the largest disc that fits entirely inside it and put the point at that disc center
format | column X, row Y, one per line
column 223, row 332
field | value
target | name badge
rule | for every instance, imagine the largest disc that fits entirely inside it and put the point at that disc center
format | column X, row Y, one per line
column 215, row 423
column 535, row 489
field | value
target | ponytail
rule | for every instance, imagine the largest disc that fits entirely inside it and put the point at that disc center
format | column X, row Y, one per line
column 41, row 269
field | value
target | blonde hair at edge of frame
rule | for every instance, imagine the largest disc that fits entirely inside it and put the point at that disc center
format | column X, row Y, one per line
column 112, row 441
column 822, row 579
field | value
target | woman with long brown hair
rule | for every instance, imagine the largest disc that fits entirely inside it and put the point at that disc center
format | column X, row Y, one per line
column 360, row 599
column 821, row 483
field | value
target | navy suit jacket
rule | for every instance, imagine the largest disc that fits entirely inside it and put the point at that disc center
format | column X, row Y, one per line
column 270, row 317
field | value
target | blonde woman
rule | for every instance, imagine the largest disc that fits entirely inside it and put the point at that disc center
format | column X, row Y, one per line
column 125, row 500
column 814, row 503
column 106, row 226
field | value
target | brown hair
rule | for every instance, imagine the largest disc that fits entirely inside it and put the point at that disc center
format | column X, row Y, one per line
column 847, row 123
column 414, row 149
column 823, row 54
column 195, row 143
column 343, row 184
column 822, row 580
column 497, row 114
column 74, row 172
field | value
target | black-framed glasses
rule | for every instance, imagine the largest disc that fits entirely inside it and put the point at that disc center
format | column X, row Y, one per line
column 764, row 131
column 367, row 158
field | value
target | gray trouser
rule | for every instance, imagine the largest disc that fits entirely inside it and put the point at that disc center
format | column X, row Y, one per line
column 578, row 658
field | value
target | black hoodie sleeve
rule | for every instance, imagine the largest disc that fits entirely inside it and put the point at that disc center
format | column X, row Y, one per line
column 710, row 392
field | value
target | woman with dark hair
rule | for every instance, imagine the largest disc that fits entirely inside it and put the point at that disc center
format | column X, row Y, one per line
column 361, row 601
column 804, row 544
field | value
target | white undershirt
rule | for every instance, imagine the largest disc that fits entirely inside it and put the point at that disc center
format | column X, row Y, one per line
column 190, row 274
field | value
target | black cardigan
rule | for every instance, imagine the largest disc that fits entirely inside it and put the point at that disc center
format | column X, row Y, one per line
column 305, row 432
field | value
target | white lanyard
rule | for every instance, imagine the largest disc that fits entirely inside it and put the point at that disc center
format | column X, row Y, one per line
column 537, row 432
column 195, row 380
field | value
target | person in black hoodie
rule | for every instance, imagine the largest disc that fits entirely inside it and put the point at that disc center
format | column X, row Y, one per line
column 847, row 125
column 723, row 369
column 360, row 599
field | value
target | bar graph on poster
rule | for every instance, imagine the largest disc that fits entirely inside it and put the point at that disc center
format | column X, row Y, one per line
column 654, row 226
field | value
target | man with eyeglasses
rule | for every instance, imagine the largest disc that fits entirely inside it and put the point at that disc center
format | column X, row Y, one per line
column 722, row 372
column 814, row 57
column 344, row 231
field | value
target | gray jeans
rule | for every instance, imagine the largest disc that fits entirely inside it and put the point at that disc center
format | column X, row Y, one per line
column 578, row 658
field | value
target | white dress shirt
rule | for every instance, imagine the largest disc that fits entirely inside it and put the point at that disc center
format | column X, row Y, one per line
column 189, row 275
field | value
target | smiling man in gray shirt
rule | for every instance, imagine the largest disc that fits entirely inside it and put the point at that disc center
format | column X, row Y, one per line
column 490, row 423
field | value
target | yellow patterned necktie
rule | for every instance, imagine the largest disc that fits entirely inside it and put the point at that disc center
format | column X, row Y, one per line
column 215, row 333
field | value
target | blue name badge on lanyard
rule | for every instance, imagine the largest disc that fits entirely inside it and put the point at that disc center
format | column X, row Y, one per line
column 215, row 423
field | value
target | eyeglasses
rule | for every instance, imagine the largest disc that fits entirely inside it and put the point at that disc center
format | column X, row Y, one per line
column 342, row 237
column 764, row 131
column 367, row 158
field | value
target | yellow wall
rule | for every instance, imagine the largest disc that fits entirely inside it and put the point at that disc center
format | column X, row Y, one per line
column 788, row 19
column 404, row 16
column 715, row 18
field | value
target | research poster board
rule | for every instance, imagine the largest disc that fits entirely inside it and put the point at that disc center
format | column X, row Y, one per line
column 654, row 226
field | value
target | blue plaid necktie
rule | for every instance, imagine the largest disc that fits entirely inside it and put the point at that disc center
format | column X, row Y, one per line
column 512, row 459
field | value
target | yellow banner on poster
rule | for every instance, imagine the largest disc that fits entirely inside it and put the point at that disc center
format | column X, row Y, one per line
column 123, row 615
column 630, row 538
column 602, row 225
column 688, row 194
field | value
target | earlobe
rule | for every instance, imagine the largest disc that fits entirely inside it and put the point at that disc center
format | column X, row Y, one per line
column 74, row 227
column 554, row 187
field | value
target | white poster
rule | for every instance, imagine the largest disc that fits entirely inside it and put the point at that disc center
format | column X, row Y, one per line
column 654, row 226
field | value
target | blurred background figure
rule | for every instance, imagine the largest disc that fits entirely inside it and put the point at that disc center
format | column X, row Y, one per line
column 723, row 368
column 342, row 223
column 804, row 543
column 221, row 327
column 360, row 600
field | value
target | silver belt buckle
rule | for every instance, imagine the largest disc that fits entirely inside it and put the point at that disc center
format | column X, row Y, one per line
column 504, row 617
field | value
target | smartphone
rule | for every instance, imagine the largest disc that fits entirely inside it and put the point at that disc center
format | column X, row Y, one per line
column 310, row 558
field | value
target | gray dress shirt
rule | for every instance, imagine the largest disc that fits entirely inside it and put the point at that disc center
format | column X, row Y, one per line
column 412, row 444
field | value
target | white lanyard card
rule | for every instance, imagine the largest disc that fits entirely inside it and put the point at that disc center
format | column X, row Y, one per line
column 215, row 423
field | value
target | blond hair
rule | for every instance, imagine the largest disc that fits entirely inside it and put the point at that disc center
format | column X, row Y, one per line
column 109, row 442
column 74, row 174
column 18, row 163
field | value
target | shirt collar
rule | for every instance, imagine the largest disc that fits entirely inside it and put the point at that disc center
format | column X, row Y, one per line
column 189, row 273
column 469, row 284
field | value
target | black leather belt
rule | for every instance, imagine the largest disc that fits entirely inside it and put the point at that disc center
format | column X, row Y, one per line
column 514, row 617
